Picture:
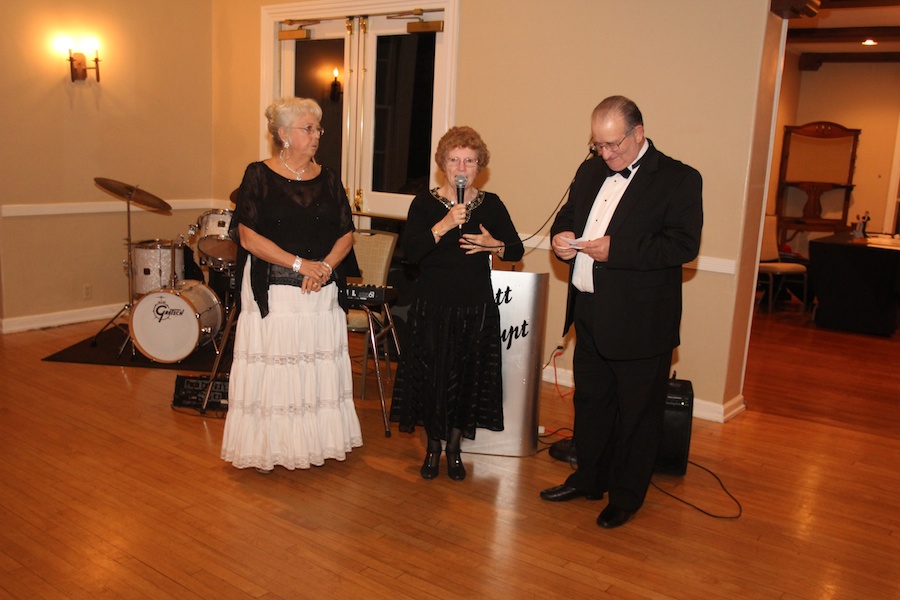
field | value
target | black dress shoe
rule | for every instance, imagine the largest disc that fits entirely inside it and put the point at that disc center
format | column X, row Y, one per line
column 455, row 469
column 429, row 468
column 612, row 517
column 564, row 492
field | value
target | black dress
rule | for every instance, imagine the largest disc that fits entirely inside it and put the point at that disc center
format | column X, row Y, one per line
column 449, row 376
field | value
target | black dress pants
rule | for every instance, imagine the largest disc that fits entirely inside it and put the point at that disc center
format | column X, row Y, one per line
column 619, row 411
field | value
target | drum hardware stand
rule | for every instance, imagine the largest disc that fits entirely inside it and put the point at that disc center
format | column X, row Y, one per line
column 173, row 279
column 128, row 193
column 207, row 331
column 228, row 298
column 232, row 311
column 129, row 267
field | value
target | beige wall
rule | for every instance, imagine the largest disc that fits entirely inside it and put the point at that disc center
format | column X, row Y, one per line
column 237, row 111
column 178, row 111
column 48, row 260
column 698, row 87
column 148, row 122
column 787, row 115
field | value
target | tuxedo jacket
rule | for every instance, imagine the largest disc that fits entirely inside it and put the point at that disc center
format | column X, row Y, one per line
column 655, row 230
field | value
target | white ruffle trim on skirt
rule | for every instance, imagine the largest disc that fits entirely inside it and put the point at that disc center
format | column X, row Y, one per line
column 290, row 393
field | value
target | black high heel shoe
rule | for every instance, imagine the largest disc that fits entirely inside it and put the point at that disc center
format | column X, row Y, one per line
column 455, row 468
column 429, row 468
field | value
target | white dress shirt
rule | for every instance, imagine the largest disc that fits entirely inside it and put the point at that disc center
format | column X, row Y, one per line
column 601, row 214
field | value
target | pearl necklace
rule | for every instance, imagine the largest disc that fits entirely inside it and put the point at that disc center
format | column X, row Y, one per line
column 297, row 173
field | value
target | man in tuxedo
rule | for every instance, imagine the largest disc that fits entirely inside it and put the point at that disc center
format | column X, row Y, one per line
column 633, row 218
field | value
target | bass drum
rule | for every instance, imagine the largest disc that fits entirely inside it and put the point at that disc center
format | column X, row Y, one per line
column 169, row 324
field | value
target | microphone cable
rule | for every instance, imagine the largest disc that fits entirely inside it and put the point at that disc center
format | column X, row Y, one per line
column 559, row 204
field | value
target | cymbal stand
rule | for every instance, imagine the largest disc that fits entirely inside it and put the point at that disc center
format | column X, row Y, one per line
column 130, row 271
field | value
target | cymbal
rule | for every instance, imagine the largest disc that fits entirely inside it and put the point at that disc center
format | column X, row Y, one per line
column 130, row 192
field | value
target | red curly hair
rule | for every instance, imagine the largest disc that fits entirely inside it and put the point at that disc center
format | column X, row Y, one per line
column 462, row 137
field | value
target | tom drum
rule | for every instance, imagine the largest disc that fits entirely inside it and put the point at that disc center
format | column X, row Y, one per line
column 169, row 324
column 153, row 264
column 216, row 247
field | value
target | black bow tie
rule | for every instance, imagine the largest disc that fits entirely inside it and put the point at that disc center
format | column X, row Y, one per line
column 626, row 172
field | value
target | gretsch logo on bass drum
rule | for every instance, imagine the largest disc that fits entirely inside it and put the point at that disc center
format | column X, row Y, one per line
column 163, row 312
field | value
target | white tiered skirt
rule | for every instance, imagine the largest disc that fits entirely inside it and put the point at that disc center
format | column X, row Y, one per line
column 290, row 393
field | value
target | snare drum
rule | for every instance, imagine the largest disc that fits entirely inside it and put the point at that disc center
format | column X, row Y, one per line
column 153, row 264
column 169, row 324
column 216, row 247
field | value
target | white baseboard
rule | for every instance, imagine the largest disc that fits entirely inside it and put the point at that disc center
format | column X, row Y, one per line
column 59, row 318
column 563, row 377
column 703, row 409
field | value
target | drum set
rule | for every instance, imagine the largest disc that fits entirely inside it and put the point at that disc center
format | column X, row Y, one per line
column 168, row 315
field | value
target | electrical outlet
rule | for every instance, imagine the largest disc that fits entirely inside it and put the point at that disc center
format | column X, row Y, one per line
column 87, row 292
column 560, row 347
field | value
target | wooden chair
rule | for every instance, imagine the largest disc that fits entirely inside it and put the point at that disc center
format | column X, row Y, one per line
column 772, row 267
column 817, row 163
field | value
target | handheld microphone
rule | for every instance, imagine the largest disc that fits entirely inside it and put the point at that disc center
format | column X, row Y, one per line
column 461, row 182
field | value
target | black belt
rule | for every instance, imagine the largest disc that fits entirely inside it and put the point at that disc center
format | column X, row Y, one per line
column 279, row 275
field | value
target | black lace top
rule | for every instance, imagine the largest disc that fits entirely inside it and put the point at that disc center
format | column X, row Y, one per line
column 305, row 218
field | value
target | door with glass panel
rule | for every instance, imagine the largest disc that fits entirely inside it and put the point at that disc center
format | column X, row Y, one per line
column 383, row 85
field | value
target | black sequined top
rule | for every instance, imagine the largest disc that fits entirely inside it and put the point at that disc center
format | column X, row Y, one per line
column 305, row 218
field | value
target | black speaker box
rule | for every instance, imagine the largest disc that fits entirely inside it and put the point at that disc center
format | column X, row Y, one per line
column 190, row 391
column 676, row 436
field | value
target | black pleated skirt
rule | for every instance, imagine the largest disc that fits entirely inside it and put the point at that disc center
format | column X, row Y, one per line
column 449, row 376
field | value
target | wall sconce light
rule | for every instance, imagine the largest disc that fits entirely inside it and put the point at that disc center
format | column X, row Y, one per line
column 78, row 65
column 335, row 88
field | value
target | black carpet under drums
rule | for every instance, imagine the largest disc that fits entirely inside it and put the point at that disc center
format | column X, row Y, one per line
column 110, row 341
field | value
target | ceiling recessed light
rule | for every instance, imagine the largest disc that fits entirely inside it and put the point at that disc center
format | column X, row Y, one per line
column 870, row 42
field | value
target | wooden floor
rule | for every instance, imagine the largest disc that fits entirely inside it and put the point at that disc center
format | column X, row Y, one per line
column 107, row 492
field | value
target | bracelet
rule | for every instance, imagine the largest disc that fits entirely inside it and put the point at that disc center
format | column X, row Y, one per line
column 330, row 270
column 435, row 233
column 297, row 263
column 499, row 249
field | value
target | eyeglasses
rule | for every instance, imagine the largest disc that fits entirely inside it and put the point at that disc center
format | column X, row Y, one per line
column 309, row 129
column 611, row 146
column 468, row 162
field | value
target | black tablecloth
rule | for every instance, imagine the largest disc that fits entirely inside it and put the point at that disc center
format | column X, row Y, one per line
column 857, row 284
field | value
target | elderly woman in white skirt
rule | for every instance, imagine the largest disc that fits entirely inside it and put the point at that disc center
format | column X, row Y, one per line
column 290, row 394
